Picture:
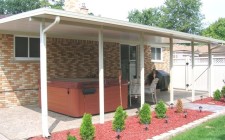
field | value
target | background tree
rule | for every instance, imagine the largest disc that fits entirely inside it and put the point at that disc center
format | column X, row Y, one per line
column 57, row 4
column 19, row 6
column 216, row 29
column 2, row 6
column 180, row 15
column 149, row 16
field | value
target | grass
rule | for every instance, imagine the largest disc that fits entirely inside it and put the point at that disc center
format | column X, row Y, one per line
column 211, row 130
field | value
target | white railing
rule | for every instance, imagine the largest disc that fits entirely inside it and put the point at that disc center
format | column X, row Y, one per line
column 199, row 60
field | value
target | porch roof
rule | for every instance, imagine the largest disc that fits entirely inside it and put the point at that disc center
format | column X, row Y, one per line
column 81, row 26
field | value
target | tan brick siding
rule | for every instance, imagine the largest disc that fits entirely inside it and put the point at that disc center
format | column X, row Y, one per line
column 148, row 64
column 66, row 58
column 165, row 65
column 14, row 76
column 69, row 58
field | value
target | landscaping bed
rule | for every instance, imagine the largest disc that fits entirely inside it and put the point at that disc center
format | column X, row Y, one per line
column 211, row 101
column 135, row 130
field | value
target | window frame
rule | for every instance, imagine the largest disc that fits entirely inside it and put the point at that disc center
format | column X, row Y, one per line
column 161, row 52
column 25, row 58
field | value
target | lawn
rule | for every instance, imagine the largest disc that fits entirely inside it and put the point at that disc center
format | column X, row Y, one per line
column 211, row 130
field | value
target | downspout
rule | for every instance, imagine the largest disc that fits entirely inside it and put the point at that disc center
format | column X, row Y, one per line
column 57, row 20
column 43, row 74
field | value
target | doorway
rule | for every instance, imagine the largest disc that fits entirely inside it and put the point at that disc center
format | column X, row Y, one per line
column 128, row 57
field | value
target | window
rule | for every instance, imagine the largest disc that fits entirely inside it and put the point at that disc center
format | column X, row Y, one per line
column 27, row 48
column 156, row 54
column 133, row 53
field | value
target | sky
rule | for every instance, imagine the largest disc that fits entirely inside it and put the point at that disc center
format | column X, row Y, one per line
column 118, row 9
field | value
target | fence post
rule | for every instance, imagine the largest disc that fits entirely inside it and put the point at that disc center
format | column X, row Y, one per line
column 193, row 71
column 212, row 76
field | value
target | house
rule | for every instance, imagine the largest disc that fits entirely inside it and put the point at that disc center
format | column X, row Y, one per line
column 181, row 51
column 47, row 44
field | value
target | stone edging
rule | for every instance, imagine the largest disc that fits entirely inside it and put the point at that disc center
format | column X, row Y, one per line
column 168, row 135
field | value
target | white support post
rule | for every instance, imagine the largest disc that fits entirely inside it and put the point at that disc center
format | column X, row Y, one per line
column 171, row 72
column 101, row 76
column 142, row 73
column 193, row 71
column 212, row 76
column 43, row 74
column 209, row 70
column 43, row 71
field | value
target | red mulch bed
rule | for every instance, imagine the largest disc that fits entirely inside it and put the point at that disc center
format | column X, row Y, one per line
column 134, row 130
column 211, row 101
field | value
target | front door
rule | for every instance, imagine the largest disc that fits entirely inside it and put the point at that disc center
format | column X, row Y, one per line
column 128, row 62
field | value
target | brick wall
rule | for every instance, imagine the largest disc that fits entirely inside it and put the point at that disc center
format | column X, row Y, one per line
column 16, row 76
column 67, row 58
column 165, row 65
column 148, row 64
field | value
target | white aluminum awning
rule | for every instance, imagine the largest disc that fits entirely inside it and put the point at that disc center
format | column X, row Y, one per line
column 80, row 26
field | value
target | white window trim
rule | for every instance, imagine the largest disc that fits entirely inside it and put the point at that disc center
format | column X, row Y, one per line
column 24, row 58
column 161, row 59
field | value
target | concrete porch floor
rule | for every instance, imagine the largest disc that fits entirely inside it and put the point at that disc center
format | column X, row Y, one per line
column 23, row 122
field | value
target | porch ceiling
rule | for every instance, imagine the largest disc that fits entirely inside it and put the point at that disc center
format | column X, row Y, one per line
column 79, row 26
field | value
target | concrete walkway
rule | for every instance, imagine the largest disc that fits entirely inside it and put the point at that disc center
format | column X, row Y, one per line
column 205, row 107
column 23, row 122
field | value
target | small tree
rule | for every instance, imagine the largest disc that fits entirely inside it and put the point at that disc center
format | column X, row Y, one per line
column 217, row 95
column 223, row 92
column 179, row 106
column 145, row 114
column 119, row 119
column 87, row 129
column 160, row 109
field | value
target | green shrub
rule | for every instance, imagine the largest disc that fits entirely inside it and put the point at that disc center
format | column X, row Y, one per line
column 217, row 95
column 87, row 129
column 70, row 137
column 223, row 92
column 160, row 109
column 145, row 114
column 119, row 119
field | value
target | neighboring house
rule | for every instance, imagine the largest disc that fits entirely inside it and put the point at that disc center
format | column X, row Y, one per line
column 72, row 50
column 181, row 51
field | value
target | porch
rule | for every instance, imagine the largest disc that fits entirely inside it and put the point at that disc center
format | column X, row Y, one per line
column 23, row 122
